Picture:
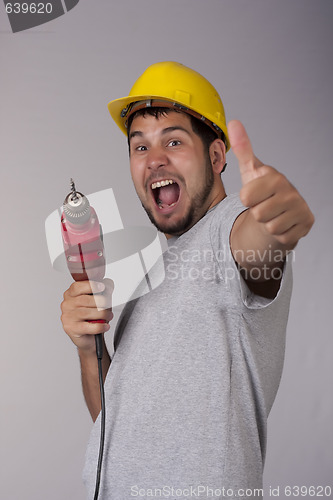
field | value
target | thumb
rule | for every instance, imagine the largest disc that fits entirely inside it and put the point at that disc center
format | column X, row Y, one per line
column 242, row 148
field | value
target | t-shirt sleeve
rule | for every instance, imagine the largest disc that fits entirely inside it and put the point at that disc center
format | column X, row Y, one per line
column 253, row 301
column 220, row 230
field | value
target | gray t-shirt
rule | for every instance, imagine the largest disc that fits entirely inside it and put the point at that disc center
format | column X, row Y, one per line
column 197, row 365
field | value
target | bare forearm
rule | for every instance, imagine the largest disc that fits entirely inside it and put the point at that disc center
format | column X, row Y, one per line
column 90, row 379
column 256, row 251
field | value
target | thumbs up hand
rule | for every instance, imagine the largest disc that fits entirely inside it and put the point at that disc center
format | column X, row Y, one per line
column 249, row 164
column 277, row 214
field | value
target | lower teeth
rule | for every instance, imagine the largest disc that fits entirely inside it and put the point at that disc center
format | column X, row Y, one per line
column 160, row 206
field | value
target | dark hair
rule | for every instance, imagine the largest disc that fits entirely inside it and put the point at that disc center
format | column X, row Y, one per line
column 200, row 128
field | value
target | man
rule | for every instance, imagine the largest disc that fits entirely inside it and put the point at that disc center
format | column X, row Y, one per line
column 198, row 360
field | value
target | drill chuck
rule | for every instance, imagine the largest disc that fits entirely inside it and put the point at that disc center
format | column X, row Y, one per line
column 77, row 211
column 76, row 207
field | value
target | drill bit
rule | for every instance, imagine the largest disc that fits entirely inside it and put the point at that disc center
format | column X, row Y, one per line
column 76, row 206
column 75, row 197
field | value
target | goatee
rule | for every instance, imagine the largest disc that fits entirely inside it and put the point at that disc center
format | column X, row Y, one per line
column 194, row 213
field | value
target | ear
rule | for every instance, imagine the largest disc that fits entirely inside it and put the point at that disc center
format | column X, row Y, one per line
column 217, row 155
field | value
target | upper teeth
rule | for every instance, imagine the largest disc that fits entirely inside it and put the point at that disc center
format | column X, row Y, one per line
column 161, row 184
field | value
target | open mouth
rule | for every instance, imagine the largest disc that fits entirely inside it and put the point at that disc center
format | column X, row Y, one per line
column 166, row 193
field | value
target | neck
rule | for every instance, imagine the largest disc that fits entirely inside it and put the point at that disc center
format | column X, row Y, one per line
column 217, row 195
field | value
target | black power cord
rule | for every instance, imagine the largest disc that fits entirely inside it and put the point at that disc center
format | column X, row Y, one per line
column 99, row 353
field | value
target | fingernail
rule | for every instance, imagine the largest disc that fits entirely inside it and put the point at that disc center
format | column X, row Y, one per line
column 100, row 287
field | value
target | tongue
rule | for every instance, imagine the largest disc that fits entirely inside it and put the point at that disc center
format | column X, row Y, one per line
column 169, row 194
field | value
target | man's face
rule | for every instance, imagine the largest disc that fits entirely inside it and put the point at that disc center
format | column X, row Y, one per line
column 171, row 173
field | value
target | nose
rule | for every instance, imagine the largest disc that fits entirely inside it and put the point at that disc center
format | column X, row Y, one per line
column 156, row 158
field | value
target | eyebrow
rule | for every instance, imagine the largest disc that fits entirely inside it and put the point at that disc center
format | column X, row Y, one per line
column 138, row 133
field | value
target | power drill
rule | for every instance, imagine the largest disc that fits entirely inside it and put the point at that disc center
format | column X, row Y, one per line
column 83, row 243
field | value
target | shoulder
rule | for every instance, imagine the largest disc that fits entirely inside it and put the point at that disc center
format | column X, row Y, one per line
column 223, row 217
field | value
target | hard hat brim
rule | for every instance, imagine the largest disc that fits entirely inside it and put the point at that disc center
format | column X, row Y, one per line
column 117, row 106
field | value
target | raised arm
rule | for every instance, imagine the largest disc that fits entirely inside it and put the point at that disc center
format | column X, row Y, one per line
column 277, row 217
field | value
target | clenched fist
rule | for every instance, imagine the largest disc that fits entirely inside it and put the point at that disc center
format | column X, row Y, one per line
column 86, row 302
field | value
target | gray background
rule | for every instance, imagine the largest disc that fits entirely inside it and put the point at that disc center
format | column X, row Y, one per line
column 271, row 60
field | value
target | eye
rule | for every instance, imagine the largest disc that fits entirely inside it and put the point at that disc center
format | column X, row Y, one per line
column 174, row 142
column 141, row 148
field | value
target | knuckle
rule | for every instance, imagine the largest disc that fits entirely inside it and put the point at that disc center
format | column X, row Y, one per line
column 309, row 222
column 65, row 324
column 280, row 181
column 64, row 306
column 272, row 227
column 268, row 169
column 291, row 198
column 284, row 239
column 258, row 213
column 72, row 288
column 244, row 196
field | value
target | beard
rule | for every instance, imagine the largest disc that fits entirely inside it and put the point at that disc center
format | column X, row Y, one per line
column 195, row 211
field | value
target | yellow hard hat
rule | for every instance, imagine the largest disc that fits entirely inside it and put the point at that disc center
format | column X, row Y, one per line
column 177, row 86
